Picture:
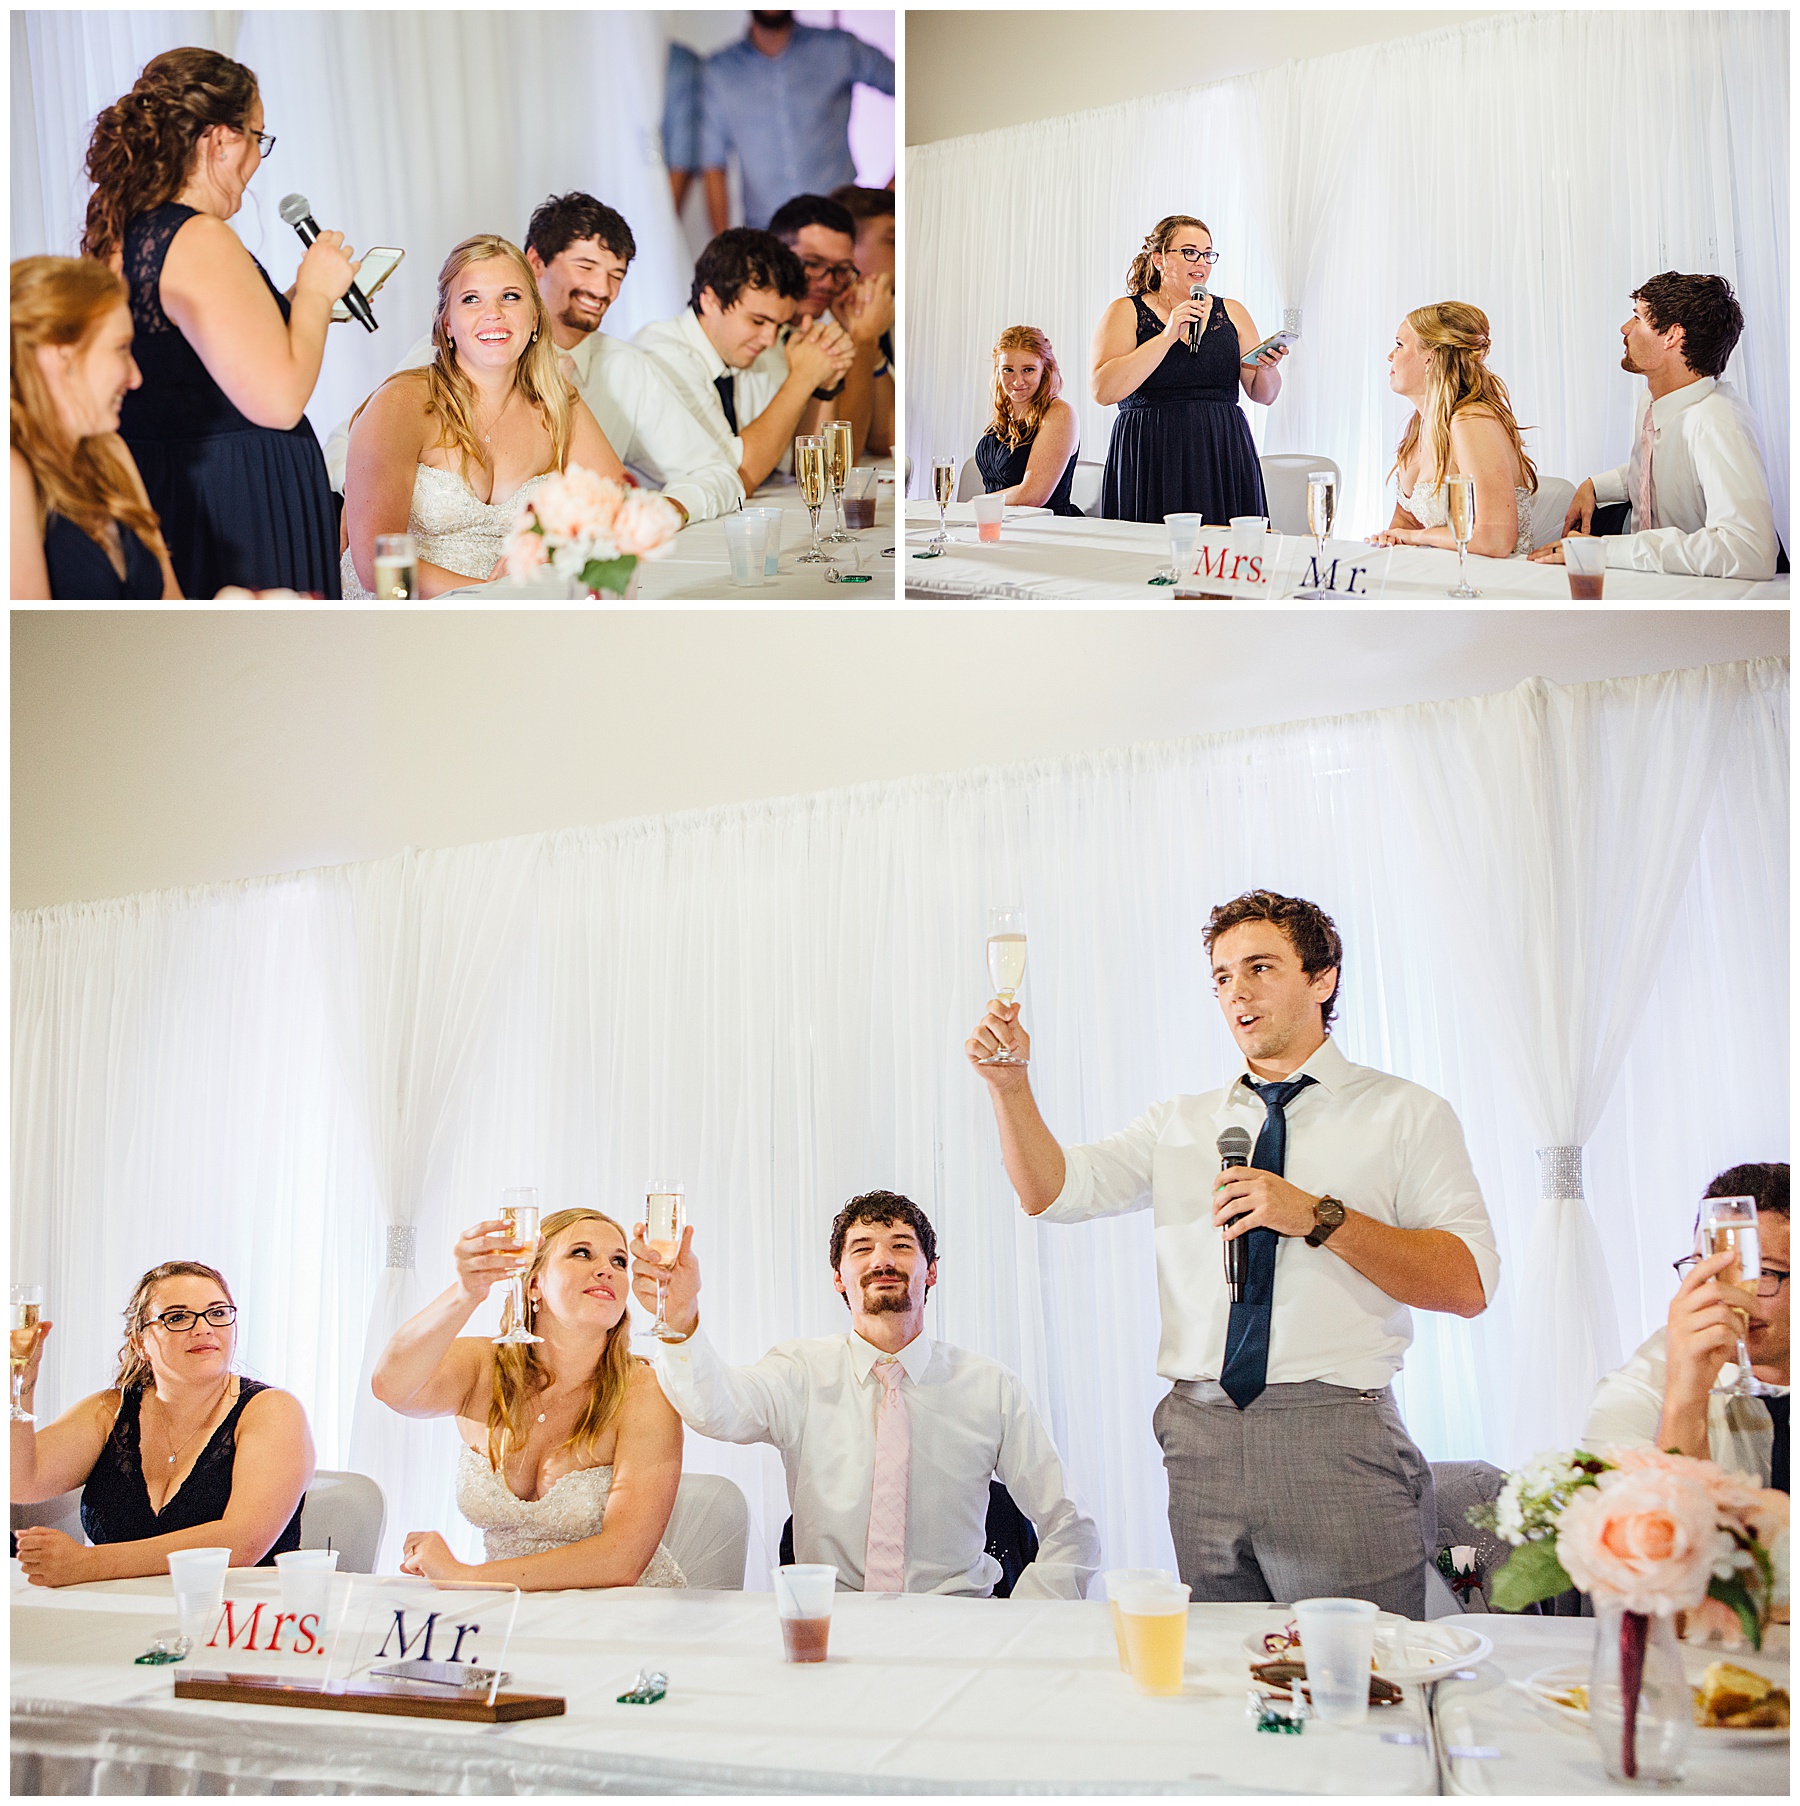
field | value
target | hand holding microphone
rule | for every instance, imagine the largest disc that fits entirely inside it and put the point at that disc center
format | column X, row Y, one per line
column 1234, row 1150
column 1196, row 293
column 327, row 267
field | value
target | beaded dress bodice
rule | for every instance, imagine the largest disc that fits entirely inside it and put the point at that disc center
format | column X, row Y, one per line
column 1429, row 505
column 453, row 527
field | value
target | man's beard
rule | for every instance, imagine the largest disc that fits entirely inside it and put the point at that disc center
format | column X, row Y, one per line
column 1627, row 363
column 878, row 1303
column 581, row 316
column 773, row 21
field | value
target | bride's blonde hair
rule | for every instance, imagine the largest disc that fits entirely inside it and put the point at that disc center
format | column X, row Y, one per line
column 1455, row 338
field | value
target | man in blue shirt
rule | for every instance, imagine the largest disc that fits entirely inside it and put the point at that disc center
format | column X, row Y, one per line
column 781, row 100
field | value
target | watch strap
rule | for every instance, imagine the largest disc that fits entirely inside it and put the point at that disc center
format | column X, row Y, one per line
column 1325, row 1223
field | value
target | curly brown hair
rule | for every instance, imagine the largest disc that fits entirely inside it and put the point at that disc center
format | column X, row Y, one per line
column 134, row 1363
column 1144, row 278
column 143, row 144
column 882, row 1207
column 1310, row 932
column 1704, row 308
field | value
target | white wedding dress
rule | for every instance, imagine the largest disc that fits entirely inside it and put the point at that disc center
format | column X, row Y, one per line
column 572, row 1509
column 1429, row 505
column 452, row 527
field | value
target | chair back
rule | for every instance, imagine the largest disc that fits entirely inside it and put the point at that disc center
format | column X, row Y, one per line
column 346, row 1512
column 968, row 482
column 709, row 1532
column 1548, row 506
column 1084, row 487
column 61, row 1513
column 1284, row 488
column 1012, row 1539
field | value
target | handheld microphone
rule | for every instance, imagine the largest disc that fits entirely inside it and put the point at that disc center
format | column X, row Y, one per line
column 1196, row 293
column 297, row 211
column 1234, row 1150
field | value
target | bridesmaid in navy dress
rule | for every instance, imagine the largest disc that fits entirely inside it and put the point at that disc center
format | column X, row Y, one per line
column 1180, row 442
column 179, row 1453
column 219, row 428
column 82, row 527
column 1028, row 452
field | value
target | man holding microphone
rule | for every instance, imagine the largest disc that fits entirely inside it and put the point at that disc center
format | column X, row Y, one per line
column 1290, row 1472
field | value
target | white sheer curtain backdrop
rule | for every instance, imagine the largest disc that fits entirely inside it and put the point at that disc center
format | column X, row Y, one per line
column 768, row 1002
column 413, row 129
column 1541, row 165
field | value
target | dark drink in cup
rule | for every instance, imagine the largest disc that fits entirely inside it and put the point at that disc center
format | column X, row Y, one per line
column 1586, row 586
column 804, row 1639
column 859, row 511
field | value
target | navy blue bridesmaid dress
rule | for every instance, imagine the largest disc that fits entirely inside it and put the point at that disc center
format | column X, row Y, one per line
column 80, row 570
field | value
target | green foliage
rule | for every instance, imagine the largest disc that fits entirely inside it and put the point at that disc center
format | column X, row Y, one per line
column 1532, row 1572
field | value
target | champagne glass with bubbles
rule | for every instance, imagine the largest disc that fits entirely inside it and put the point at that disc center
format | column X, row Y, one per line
column 840, row 460
column 1729, row 1225
column 809, row 470
column 519, row 1212
column 1006, row 967
column 27, row 1312
column 943, row 489
column 665, row 1215
column 1459, row 496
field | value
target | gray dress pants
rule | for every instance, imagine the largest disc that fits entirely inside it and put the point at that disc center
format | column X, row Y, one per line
column 1314, row 1491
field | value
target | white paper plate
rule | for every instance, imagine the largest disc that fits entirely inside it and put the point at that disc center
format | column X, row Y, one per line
column 1424, row 1652
column 1543, row 1688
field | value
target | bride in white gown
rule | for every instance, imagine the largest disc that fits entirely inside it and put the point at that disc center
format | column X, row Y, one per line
column 571, row 1454
column 1463, row 426
column 448, row 452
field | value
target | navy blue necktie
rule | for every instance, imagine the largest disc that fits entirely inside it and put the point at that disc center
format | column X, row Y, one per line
column 727, row 387
column 1246, row 1369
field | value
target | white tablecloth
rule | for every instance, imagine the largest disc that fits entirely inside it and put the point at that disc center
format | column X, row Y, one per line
column 1074, row 559
column 698, row 570
column 921, row 1695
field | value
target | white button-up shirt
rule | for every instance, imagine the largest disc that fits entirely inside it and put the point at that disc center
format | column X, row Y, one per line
column 816, row 1400
column 1712, row 490
column 693, row 366
column 1382, row 1145
column 643, row 419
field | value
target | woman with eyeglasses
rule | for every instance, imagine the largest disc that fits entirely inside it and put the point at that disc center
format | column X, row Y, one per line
column 179, row 1453
column 1180, row 442
column 219, row 427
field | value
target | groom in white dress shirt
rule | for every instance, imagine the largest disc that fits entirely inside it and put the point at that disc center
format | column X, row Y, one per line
column 580, row 250
column 889, row 1439
column 1695, row 480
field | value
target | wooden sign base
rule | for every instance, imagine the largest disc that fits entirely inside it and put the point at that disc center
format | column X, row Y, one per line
column 402, row 1699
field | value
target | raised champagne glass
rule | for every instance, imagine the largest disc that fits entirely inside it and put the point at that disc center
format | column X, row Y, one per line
column 1459, row 496
column 809, row 471
column 943, row 489
column 840, row 460
column 27, row 1311
column 664, row 1216
column 1729, row 1225
column 519, row 1212
column 1006, row 966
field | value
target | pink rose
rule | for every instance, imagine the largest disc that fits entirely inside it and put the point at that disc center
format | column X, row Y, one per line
column 647, row 525
column 1645, row 1537
column 524, row 553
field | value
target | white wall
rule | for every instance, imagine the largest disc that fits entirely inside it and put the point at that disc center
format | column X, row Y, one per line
column 978, row 71
column 153, row 750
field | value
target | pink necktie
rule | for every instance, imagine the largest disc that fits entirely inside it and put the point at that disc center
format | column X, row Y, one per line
column 884, row 1566
column 1643, row 511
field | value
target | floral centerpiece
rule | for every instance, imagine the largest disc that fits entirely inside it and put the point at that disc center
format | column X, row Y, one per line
column 591, row 530
column 1646, row 1535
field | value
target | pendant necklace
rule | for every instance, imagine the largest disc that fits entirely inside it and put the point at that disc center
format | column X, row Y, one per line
column 204, row 1421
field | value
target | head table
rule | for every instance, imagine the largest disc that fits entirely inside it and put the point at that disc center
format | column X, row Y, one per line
column 921, row 1695
column 1070, row 558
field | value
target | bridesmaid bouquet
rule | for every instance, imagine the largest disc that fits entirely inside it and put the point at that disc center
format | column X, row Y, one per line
column 591, row 530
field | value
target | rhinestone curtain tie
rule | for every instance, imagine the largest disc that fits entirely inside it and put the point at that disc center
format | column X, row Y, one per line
column 1559, row 1172
column 401, row 1243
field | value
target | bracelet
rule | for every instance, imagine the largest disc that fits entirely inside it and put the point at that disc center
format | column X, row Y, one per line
column 829, row 394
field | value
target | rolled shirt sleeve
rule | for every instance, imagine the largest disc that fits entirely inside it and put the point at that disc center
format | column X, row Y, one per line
column 1438, row 1189
column 1107, row 1178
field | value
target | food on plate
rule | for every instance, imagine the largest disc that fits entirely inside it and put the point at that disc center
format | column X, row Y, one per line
column 1737, row 1699
column 1281, row 1674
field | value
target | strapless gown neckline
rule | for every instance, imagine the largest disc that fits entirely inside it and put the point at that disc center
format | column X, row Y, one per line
column 453, row 527
column 1429, row 505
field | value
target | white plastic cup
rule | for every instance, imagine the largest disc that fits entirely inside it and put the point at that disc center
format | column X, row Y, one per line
column 746, row 545
column 1250, row 539
column 306, row 1580
column 1184, row 537
column 803, row 1597
column 1337, row 1643
column 771, row 551
column 198, row 1577
column 989, row 512
column 1155, row 1616
column 1586, row 559
column 1116, row 1580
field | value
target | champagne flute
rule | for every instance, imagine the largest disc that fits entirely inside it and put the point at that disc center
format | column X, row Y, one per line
column 840, row 457
column 396, row 567
column 1459, row 494
column 1321, row 517
column 809, row 468
column 27, row 1310
column 943, row 487
column 1729, row 1225
column 664, row 1216
column 1006, row 967
column 519, row 1211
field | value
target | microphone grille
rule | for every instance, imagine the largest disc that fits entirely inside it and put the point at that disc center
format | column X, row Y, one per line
column 294, row 208
column 1234, row 1144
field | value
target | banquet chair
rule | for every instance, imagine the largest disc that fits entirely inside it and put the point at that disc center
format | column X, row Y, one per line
column 968, row 481
column 1012, row 1539
column 1284, row 488
column 1461, row 1484
column 61, row 1513
column 346, row 1512
column 1084, row 491
column 1548, row 506
column 709, row 1532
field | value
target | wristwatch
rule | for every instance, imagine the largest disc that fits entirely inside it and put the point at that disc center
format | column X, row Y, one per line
column 1328, row 1214
column 830, row 394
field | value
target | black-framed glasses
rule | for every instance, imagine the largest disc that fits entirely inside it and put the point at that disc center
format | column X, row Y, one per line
column 1768, row 1282
column 1209, row 258
column 817, row 266
column 265, row 141
column 179, row 1321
